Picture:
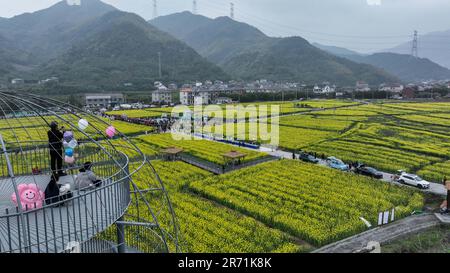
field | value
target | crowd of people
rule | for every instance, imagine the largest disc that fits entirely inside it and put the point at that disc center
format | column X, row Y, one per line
column 162, row 125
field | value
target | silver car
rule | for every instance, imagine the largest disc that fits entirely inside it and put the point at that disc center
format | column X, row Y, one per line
column 413, row 180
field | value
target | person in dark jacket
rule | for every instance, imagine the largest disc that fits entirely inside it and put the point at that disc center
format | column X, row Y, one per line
column 87, row 178
column 55, row 146
column 52, row 191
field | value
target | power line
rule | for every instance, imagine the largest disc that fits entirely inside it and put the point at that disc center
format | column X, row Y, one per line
column 253, row 16
column 386, row 41
column 277, row 28
column 364, row 45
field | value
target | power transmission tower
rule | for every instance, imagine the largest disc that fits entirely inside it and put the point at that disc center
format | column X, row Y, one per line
column 232, row 11
column 159, row 65
column 155, row 9
column 194, row 7
column 415, row 49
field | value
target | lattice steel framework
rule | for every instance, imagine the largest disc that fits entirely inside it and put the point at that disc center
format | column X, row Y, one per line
column 130, row 211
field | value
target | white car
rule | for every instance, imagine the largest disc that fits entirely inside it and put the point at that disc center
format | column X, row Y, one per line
column 413, row 180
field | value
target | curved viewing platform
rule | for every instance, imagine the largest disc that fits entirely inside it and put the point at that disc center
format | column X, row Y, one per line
column 112, row 213
column 52, row 228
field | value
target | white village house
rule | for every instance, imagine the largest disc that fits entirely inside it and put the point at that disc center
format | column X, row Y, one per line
column 362, row 86
column 395, row 88
column 196, row 95
column 162, row 94
column 186, row 95
column 324, row 89
column 104, row 100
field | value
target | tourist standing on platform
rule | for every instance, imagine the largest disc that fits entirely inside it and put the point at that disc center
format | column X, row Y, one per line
column 55, row 137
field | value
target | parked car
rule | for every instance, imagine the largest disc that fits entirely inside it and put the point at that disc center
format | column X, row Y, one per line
column 336, row 163
column 413, row 180
column 368, row 171
column 308, row 158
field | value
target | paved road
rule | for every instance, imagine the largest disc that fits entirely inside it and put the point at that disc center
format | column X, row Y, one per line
column 383, row 235
column 444, row 218
column 435, row 188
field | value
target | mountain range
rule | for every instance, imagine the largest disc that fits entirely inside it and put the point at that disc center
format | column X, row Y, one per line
column 9, row 56
column 95, row 45
column 336, row 50
column 404, row 66
column 246, row 53
column 434, row 46
column 47, row 33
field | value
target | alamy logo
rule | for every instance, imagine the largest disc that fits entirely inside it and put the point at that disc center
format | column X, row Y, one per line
column 253, row 123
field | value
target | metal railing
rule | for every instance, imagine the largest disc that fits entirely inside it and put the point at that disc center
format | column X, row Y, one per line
column 51, row 228
column 95, row 245
column 36, row 159
column 80, row 218
column 27, row 117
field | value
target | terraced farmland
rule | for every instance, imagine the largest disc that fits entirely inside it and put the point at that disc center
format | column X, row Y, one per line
column 206, row 226
column 204, row 149
column 389, row 136
column 290, row 206
column 315, row 123
column 36, row 128
column 285, row 205
column 436, row 172
column 314, row 203
column 285, row 108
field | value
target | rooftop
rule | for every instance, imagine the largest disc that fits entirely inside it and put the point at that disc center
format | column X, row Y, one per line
column 172, row 151
column 234, row 155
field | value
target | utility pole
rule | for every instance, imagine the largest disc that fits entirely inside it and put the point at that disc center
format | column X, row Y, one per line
column 155, row 9
column 194, row 6
column 415, row 45
column 159, row 65
column 232, row 11
column 447, row 185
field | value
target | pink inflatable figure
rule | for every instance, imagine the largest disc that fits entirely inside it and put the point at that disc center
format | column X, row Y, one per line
column 31, row 197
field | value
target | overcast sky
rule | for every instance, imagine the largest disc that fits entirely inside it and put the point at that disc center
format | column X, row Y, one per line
column 363, row 25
